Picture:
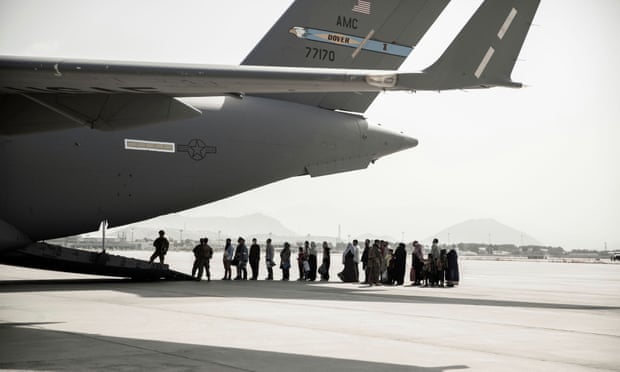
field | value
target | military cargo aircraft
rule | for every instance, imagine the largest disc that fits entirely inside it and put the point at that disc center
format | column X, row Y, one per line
column 83, row 141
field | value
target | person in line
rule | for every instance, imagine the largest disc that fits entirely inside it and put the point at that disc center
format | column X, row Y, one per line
column 417, row 260
column 161, row 245
column 204, row 260
column 227, row 258
column 301, row 257
column 241, row 256
column 441, row 267
column 390, row 259
column 400, row 264
column 198, row 252
column 356, row 259
column 365, row 260
column 269, row 259
column 435, row 256
column 452, row 272
column 383, row 271
column 312, row 261
column 324, row 269
column 208, row 256
column 285, row 261
column 254, row 258
column 348, row 274
column 374, row 264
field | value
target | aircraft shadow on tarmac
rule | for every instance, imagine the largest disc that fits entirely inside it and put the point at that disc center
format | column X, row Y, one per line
column 27, row 346
column 273, row 290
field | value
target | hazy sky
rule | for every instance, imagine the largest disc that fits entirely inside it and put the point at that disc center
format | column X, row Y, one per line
column 544, row 159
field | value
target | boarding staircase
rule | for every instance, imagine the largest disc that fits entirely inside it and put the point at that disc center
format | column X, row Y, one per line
column 54, row 257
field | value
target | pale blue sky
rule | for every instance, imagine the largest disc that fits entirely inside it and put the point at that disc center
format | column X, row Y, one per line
column 543, row 159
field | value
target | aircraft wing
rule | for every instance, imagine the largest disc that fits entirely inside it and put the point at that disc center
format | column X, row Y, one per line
column 34, row 75
column 49, row 94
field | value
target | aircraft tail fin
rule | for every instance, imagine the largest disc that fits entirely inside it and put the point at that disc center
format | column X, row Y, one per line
column 350, row 34
column 485, row 51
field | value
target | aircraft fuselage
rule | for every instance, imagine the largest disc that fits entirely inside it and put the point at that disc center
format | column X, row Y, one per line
column 70, row 180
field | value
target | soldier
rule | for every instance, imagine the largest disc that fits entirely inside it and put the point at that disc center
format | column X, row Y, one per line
column 207, row 253
column 161, row 247
column 197, row 254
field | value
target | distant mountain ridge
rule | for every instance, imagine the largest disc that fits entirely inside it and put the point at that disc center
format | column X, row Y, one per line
column 484, row 231
column 188, row 227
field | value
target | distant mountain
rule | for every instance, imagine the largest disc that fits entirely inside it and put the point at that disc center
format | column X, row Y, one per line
column 254, row 225
column 484, row 231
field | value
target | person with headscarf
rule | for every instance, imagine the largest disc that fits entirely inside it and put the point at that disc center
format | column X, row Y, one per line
column 312, row 261
column 349, row 273
column 285, row 261
column 400, row 263
column 417, row 261
column 374, row 264
column 324, row 269
column 241, row 256
column 452, row 272
column 435, row 264
column 365, row 260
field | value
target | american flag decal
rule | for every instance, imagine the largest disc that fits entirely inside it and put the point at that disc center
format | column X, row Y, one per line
column 362, row 7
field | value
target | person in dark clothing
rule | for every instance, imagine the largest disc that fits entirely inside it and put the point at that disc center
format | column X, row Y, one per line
column 400, row 259
column 301, row 257
column 441, row 267
column 390, row 267
column 365, row 260
column 206, row 259
column 452, row 272
column 349, row 273
column 198, row 253
column 374, row 264
column 161, row 248
column 324, row 269
column 254, row 259
column 417, row 259
column 270, row 261
column 241, row 257
column 285, row 261
column 312, row 261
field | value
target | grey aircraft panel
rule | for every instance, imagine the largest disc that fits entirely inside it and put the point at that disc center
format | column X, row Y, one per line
column 65, row 182
column 338, row 28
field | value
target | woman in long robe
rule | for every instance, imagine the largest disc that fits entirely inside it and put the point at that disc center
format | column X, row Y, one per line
column 452, row 272
column 324, row 271
column 349, row 273
column 418, row 262
column 400, row 262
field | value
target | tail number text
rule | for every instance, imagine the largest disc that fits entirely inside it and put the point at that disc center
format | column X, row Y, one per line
column 319, row 53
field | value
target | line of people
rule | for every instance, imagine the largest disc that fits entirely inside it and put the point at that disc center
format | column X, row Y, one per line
column 381, row 264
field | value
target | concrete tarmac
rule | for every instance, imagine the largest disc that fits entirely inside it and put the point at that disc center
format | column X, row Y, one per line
column 504, row 316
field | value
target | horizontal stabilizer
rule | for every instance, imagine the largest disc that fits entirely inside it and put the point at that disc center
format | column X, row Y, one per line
column 484, row 53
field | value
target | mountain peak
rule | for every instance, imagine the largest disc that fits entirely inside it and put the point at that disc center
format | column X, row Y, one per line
column 484, row 231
